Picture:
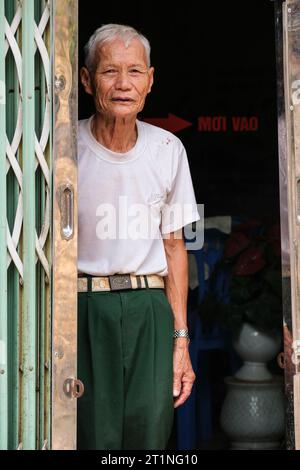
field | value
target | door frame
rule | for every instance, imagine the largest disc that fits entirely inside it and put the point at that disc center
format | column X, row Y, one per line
column 291, row 137
column 65, row 387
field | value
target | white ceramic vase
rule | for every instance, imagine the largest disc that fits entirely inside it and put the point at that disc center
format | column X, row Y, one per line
column 256, row 349
column 253, row 412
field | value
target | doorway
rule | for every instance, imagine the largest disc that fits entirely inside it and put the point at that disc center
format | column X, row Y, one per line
column 215, row 81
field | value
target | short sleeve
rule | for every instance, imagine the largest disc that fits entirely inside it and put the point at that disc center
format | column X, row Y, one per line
column 180, row 207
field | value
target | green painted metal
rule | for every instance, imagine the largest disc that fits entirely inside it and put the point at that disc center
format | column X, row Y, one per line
column 3, row 244
column 29, row 327
column 25, row 291
column 49, row 41
column 13, row 284
column 43, row 284
column 39, row 214
column 41, row 293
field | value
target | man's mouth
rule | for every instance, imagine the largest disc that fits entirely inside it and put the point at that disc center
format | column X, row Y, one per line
column 119, row 99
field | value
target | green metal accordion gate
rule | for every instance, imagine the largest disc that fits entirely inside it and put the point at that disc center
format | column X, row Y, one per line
column 31, row 290
column 25, row 172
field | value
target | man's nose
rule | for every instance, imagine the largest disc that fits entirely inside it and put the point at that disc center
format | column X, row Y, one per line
column 123, row 81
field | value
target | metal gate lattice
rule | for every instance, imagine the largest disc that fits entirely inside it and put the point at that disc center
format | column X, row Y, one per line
column 25, row 198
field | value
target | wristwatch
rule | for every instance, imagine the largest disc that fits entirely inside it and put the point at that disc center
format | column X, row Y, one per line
column 181, row 334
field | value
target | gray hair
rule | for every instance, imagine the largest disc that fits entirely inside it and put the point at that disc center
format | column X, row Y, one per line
column 109, row 32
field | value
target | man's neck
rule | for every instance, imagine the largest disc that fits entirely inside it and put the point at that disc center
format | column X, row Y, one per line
column 118, row 135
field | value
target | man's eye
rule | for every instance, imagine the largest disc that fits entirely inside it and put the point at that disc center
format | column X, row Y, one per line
column 135, row 71
column 110, row 71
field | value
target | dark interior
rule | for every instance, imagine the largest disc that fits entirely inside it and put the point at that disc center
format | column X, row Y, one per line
column 219, row 61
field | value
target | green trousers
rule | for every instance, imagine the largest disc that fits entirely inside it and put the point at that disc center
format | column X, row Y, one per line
column 125, row 360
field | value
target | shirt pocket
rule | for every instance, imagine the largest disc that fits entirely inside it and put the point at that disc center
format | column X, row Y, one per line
column 155, row 205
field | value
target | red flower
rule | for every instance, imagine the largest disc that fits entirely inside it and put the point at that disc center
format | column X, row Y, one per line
column 236, row 243
column 249, row 262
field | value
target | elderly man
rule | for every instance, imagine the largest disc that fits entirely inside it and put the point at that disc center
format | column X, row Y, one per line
column 134, row 182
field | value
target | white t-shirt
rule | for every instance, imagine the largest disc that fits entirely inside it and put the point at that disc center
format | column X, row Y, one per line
column 126, row 201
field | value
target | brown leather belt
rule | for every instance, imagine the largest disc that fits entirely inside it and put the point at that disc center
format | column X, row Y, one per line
column 119, row 282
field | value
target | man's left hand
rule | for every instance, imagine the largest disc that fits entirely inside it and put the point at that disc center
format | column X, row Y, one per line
column 183, row 374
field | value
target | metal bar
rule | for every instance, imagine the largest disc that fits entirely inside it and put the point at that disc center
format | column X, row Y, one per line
column 42, row 194
column 3, row 270
column 29, row 334
column 39, row 204
column 64, row 359
column 13, row 284
column 296, row 410
column 49, row 41
column 285, row 252
column 291, row 22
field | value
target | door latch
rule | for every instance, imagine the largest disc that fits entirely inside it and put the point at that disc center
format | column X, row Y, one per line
column 66, row 203
column 73, row 388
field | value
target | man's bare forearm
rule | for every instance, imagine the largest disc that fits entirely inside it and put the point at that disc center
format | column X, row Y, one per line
column 176, row 282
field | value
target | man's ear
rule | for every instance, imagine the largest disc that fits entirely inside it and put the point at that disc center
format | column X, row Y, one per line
column 151, row 73
column 86, row 80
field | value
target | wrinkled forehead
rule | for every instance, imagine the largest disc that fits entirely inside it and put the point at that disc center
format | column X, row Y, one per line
column 119, row 50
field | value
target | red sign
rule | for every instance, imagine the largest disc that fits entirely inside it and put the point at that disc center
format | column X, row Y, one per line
column 172, row 123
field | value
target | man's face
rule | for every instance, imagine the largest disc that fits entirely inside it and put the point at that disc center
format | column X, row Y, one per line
column 120, row 80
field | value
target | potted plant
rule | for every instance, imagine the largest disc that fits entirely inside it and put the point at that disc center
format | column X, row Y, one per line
column 252, row 263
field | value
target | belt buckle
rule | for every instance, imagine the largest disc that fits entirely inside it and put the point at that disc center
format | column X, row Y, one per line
column 120, row 282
